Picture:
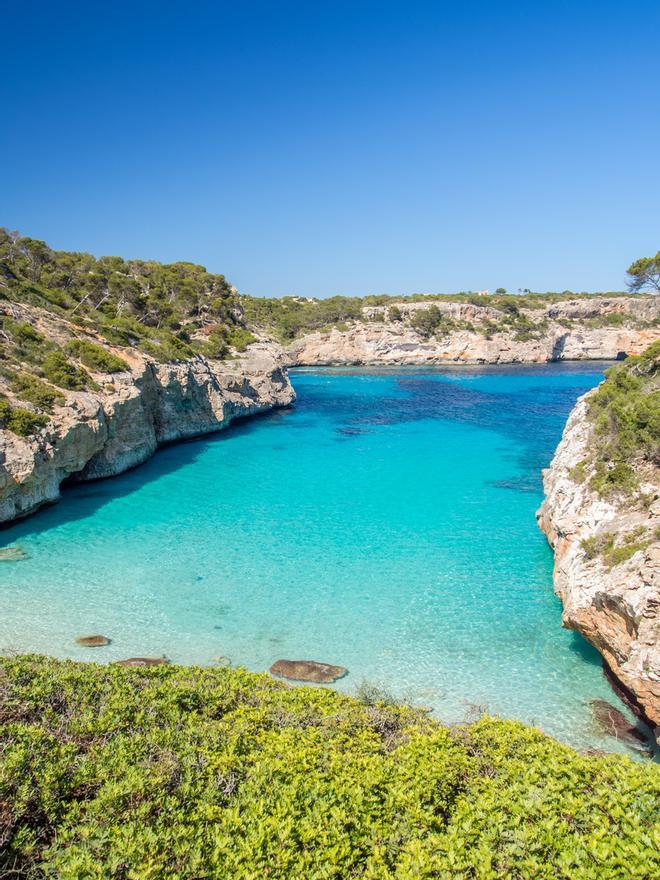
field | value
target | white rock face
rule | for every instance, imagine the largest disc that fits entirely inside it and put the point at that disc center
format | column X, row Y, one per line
column 617, row 609
column 104, row 433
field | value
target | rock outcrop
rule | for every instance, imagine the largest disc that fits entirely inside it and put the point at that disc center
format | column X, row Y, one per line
column 308, row 670
column 567, row 330
column 614, row 604
column 103, row 433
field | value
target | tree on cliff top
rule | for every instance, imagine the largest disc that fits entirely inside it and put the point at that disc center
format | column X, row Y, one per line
column 644, row 274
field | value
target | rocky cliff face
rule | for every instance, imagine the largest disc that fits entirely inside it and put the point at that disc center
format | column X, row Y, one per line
column 103, row 433
column 615, row 606
column 594, row 329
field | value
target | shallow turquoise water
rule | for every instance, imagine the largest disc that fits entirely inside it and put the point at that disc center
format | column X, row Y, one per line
column 384, row 523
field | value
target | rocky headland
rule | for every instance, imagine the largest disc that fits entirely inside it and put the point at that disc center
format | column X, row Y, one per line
column 103, row 360
column 124, row 416
column 601, row 515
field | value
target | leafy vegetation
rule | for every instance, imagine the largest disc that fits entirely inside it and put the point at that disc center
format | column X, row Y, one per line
column 36, row 392
column 290, row 317
column 615, row 549
column 95, row 356
column 644, row 274
column 59, row 370
column 165, row 310
column 20, row 421
column 625, row 411
column 173, row 772
column 432, row 322
column 608, row 319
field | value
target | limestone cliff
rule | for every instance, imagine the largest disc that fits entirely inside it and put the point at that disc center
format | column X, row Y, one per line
column 101, row 433
column 614, row 604
column 598, row 328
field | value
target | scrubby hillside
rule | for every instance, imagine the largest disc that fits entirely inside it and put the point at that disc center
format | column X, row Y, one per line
column 174, row 772
column 433, row 316
column 102, row 360
column 169, row 311
column 63, row 315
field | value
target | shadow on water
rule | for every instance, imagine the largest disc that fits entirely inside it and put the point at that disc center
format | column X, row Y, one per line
column 81, row 500
column 585, row 651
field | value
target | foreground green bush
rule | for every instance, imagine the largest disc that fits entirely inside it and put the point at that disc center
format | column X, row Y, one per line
column 175, row 772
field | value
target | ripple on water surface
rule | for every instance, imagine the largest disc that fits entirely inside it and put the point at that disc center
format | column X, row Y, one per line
column 384, row 523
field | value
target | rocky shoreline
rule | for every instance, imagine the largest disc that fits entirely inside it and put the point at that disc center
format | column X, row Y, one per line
column 106, row 432
column 616, row 607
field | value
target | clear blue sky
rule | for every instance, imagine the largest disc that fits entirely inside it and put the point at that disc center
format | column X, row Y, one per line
column 339, row 147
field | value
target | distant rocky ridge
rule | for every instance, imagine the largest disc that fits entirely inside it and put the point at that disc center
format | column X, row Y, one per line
column 614, row 604
column 593, row 328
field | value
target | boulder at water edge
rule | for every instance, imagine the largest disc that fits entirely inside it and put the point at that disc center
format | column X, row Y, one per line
column 307, row 670
column 93, row 641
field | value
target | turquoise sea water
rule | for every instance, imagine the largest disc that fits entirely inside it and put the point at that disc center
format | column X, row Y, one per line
column 384, row 523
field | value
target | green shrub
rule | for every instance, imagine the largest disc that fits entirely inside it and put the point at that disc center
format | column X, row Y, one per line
column 20, row 421
column 610, row 477
column 290, row 317
column 60, row 371
column 36, row 392
column 617, row 555
column 431, row 322
column 614, row 549
column 222, row 339
column 95, row 357
column 579, row 473
column 609, row 319
column 175, row 772
column 239, row 338
column 22, row 332
column 215, row 346
column 595, row 545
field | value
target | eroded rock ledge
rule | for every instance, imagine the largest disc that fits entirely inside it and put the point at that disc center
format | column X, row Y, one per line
column 103, row 433
column 615, row 607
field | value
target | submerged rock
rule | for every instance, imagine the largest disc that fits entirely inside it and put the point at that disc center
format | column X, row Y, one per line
column 307, row 670
column 142, row 661
column 93, row 641
column 614, row 723
column 12, row 554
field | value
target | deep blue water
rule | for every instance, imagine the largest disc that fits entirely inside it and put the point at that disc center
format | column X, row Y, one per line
column 384, row 523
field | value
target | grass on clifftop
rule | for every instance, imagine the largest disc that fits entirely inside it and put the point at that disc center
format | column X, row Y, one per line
column 625, row 411
column 173, row 772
